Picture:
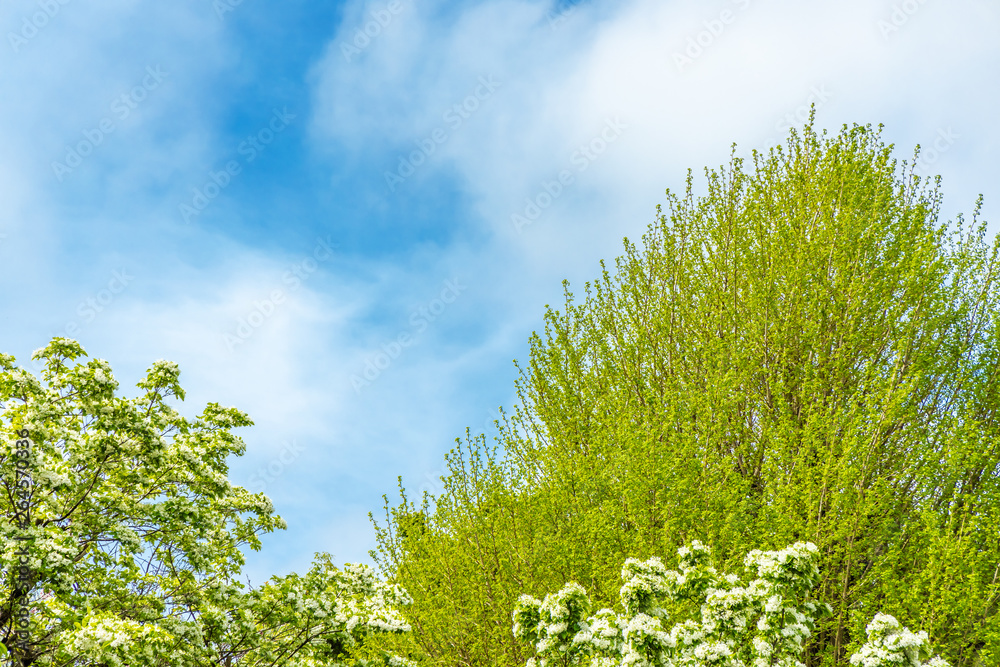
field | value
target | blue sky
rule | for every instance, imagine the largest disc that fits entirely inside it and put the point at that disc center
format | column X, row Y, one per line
column 350, row 235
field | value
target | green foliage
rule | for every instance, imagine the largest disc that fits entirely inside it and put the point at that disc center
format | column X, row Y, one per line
column 121, row 535
column 803, row 353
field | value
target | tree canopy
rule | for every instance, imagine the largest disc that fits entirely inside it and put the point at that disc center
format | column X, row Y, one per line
column 804, row 352
column 122, row 535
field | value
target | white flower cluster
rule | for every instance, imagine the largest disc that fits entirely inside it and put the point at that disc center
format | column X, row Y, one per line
column 889, row 645
column 108, row 640
column 764, row 623
column 645, row 582
column 332, row 603
column 553, row 623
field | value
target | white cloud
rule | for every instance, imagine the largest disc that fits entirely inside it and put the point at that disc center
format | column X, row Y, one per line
column 559, row 86
column 616, row 60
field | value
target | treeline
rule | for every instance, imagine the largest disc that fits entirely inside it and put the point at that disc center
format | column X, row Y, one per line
column 804, row 352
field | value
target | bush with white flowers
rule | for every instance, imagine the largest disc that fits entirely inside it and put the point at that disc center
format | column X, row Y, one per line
column 762, row 623
column 890, row 645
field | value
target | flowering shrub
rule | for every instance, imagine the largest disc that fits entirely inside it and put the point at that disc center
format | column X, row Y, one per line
column 763, row 623
column 888, row 644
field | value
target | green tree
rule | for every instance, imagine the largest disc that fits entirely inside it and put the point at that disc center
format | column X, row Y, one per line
column 122, row 535
column 801, row 353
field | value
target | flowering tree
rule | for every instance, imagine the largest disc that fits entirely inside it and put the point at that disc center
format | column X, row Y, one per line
column 121, row 535
column 763, row 623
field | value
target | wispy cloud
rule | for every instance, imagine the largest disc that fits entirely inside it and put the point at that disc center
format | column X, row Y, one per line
column 501, row 144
